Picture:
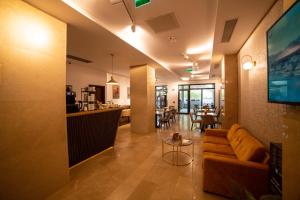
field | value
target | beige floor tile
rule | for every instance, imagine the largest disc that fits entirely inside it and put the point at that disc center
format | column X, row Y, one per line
column 134, row 169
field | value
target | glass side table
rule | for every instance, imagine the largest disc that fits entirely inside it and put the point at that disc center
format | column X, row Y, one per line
column 177, row 156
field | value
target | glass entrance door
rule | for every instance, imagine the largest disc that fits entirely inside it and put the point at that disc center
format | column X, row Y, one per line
column 195, row 98
column 161, row 96
column 195, row 95
column 208, row 97
column 183, row 99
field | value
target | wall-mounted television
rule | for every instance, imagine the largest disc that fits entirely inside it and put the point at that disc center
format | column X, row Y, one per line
column 283, row 47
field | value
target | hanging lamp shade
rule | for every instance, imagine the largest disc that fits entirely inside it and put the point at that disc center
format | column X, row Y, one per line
column 112, row 80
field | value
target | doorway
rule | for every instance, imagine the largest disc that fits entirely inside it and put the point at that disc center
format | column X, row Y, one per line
column 100, row 93
column 161, row 93
column 195, row 95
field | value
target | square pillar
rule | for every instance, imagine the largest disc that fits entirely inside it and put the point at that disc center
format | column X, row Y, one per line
column 142, row 98
column 231, row 90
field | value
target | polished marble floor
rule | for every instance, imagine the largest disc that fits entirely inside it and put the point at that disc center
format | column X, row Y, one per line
column 134, row 170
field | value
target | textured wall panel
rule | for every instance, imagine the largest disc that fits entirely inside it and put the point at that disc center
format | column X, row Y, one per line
column 263, row 119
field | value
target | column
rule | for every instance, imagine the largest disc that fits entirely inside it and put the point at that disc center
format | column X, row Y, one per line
column 231, row 90
column 142, row 98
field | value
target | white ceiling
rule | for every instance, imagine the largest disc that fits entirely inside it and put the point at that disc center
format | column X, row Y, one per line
column 105, row 27
column 88, row 40
column 249, row 14
column 196, row 19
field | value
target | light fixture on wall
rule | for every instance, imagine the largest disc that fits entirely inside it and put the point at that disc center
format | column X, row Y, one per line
column 112, row 80
column 247, row 62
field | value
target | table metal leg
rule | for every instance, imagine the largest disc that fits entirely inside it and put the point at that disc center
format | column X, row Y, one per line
column 162, row 149
column 173, row 155
column 177, row 155
column 193, row 151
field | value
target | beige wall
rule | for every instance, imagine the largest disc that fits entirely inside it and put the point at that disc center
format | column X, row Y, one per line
column 291, row 156
column 291, row 145
column 263, row 119
column 34, row 160
column 80, row 76
column 270, row 122
column 124, row 83
column 142, row 89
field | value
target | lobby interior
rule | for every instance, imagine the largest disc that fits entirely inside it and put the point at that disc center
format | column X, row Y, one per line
column 153, row 68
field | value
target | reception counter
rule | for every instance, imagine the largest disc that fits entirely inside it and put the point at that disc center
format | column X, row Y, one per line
column 91, row 132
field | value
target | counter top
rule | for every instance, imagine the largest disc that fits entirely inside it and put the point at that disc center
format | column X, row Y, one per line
column 93, row 112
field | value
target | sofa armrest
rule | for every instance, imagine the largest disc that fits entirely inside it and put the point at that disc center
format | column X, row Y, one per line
column 216, row 132
column 220, row 172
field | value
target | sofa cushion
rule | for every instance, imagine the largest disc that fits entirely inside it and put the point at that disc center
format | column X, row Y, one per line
column 215, row 140
column 218, row 148
column 232, row 130
column 238, row 137
column 221, row 155
column 248, row 148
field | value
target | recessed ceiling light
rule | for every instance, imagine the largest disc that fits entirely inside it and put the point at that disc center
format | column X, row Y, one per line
column 205, row 57
column 185, row 56
column 201, row 49
column 133, row 28
column 185, row 78
column 172, row 39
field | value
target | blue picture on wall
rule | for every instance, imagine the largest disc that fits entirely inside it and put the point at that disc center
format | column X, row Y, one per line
column 283, row 40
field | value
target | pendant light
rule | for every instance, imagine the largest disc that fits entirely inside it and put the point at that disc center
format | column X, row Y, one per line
column 112, row 81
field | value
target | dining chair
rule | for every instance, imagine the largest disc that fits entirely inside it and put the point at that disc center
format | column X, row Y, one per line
column 171, row 107
column 173, row 114
column 165, row 119
column 194, row 121
column 217, row 119
column 207, row 120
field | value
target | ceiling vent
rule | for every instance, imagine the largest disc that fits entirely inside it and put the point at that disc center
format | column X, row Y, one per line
column 228, row 29
column 163, row 23
column 78, row 59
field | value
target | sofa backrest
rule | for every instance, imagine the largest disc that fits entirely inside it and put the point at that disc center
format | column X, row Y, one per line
column 247, row 147
column 232, row 130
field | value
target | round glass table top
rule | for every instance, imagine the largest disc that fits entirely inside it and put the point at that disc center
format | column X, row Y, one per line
column 183, row 142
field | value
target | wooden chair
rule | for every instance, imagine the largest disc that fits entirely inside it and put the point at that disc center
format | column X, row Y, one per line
column 218, row 120
column 173, row 115
column 207, row 120
column 165, row 120
column 194, row 121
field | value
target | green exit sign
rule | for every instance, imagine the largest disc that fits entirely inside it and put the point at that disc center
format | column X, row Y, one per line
column 189, row 69
column 139, row 3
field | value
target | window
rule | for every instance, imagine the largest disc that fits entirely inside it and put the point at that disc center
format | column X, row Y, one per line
column 195, row 95
column 161, row 93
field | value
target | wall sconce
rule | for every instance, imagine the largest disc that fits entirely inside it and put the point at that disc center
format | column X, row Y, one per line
column 247, row 62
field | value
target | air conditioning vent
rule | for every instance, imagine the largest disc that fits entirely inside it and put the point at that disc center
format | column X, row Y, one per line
column 163, row 23
column 78, row 59
column 228, row 29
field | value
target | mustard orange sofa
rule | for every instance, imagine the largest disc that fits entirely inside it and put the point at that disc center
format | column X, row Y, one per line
column 234, row 155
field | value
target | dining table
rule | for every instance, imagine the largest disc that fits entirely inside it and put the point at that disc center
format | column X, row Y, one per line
column 202, row 114
column 208, row 113
column 160, row 113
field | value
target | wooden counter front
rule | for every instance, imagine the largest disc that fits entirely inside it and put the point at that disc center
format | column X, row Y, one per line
column 91, row 132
